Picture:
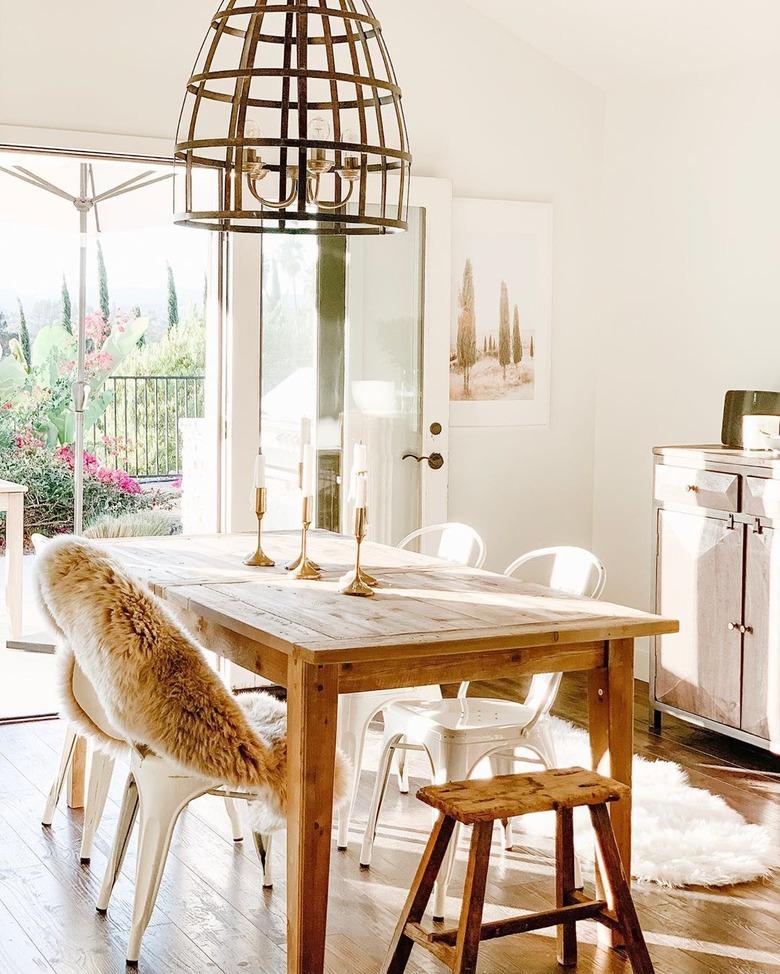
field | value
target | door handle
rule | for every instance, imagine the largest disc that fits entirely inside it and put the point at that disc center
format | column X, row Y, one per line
column 435, row 460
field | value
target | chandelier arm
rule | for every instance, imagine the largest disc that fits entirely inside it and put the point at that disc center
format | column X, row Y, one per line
column 338, row 206
column 252, row 184
column 312, row 188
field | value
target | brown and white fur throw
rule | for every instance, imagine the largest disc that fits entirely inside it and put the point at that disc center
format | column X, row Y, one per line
column 154, row 683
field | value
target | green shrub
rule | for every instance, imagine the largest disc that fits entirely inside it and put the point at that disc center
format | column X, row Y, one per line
column 48, row 476
column 141, row 524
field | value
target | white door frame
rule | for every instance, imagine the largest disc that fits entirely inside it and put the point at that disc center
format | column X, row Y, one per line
column 435, row 197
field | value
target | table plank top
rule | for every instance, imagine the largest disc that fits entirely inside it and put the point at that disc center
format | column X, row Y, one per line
column 423, row 607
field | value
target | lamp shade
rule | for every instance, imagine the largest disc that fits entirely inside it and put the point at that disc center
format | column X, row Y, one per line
column 297, row 109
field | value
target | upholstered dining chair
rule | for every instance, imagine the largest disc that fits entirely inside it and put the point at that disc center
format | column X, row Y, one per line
column 456, row 543
column 459, row 734
column 100, row 766
column 131, row 678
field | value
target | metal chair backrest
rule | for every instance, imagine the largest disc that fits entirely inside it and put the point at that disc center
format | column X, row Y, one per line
column 575, row 571
column 458, row 543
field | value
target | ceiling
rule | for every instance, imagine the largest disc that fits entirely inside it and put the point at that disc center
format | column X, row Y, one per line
column 614, row 42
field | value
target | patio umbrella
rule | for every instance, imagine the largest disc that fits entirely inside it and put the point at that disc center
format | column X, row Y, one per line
column 87, row 202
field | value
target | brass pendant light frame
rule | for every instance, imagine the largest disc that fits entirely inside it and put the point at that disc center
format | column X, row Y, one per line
column 296, row 67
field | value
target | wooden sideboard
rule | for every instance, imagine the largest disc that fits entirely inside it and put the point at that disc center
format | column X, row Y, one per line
column 716, row 554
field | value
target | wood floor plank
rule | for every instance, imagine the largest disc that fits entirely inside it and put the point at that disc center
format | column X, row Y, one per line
column 18, row 953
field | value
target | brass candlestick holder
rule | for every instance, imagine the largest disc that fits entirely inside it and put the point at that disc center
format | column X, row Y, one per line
column 354, row 582
column 303, row 566
column 260, row 559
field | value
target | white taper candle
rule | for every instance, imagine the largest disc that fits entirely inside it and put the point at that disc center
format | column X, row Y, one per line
column 309, row 479
column 260, row 471
column 305, row 434
column 361, row 491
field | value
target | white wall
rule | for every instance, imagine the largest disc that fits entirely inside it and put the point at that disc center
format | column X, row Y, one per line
column 484, row 110
column 691, row 286
column 503, row 122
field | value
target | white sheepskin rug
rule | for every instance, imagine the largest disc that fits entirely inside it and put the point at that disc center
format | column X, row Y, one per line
column 682, row 836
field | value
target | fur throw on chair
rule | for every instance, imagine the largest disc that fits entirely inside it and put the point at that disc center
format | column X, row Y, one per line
column 154, row 683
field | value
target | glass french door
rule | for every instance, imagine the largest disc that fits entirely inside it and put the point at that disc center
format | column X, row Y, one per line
column 344, row 346
column 384, row 370
column 149, row 404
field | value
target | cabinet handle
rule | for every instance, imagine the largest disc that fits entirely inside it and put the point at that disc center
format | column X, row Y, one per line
column 692, row 489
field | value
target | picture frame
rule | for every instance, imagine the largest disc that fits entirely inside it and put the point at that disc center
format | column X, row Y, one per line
column 501, row 329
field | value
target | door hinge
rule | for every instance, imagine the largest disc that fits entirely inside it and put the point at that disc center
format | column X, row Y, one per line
column 730, row 523
column 758, row 527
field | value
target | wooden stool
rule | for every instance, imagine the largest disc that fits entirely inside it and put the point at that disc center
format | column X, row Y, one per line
column 481, row 803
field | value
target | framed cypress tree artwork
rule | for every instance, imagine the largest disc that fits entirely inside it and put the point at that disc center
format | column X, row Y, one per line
column 500, row 346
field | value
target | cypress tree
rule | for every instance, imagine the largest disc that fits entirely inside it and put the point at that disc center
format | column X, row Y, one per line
column 467, row 326
column 173, row 300
column 504, row 342
column 532, row 346
column 24, row 336
column 105, row 304
column 5, row 334
column 484, row 350
column 517, row 341
column 67, row 309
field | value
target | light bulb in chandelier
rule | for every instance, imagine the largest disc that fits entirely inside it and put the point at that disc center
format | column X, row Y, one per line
column 319, row 131
column 350, row 168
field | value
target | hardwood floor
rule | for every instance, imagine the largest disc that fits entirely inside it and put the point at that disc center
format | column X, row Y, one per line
column 212, row 914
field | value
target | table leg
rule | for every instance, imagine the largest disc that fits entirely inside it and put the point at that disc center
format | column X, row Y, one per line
column 312, row 711
column 14, row 553
column 611, row 721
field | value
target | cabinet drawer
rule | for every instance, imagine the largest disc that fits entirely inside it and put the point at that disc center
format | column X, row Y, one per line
column 697, row 488
column 762, row 497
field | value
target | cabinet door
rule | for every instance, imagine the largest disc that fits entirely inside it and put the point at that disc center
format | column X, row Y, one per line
column 761, row 658
column 700, row 562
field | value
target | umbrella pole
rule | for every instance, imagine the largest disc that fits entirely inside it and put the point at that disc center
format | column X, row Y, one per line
column 80, row 390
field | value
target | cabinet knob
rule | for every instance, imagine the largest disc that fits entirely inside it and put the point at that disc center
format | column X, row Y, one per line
column 692, row 489
column 746, row 629
column 733, row 626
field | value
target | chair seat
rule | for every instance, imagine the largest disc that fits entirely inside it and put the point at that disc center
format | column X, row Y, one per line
column 470, row 720
column 509, row 796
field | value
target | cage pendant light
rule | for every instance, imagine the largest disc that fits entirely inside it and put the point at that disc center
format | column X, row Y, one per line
column 295, row 108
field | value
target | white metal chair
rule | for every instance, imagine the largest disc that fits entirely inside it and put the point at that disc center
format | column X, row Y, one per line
column 458, row 734
column 460, row 544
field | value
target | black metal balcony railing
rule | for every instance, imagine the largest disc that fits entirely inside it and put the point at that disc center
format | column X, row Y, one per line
column 139, row 431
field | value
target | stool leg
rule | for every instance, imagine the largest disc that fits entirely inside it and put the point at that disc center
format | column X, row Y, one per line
column 400, row 947
column 470, row 927
column 565, row 885
column 618, row 893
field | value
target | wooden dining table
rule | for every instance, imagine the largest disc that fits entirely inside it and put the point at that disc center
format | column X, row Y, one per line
column 430, row 622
